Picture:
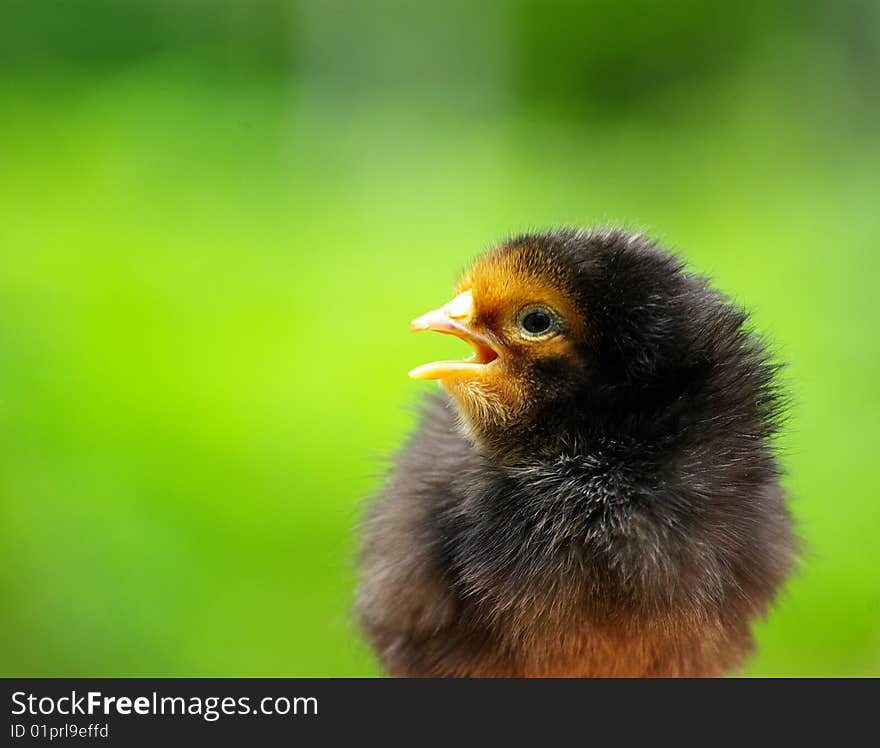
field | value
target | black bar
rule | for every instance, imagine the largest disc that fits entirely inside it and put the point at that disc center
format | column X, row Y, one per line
column 425, row 712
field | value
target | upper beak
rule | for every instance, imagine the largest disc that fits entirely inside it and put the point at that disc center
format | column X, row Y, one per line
column 452, row 320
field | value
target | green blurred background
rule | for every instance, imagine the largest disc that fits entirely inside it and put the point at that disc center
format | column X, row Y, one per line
column 218, row 217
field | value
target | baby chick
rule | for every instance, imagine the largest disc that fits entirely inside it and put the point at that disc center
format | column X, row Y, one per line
column 595, row 493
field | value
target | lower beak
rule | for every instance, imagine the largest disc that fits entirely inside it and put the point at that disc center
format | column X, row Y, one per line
column 444, row 321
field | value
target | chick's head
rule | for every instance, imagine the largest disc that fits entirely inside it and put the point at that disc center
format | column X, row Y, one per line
column 592, row 334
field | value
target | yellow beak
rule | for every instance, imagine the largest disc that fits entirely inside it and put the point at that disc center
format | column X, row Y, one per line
column 452, row 319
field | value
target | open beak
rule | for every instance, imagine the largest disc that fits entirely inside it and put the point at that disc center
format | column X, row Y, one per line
column 452, row 320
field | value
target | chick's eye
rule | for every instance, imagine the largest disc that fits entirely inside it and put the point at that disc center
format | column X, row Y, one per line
column 537, row 321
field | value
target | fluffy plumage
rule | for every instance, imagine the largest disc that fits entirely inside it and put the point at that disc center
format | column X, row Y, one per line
column 602, row 501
